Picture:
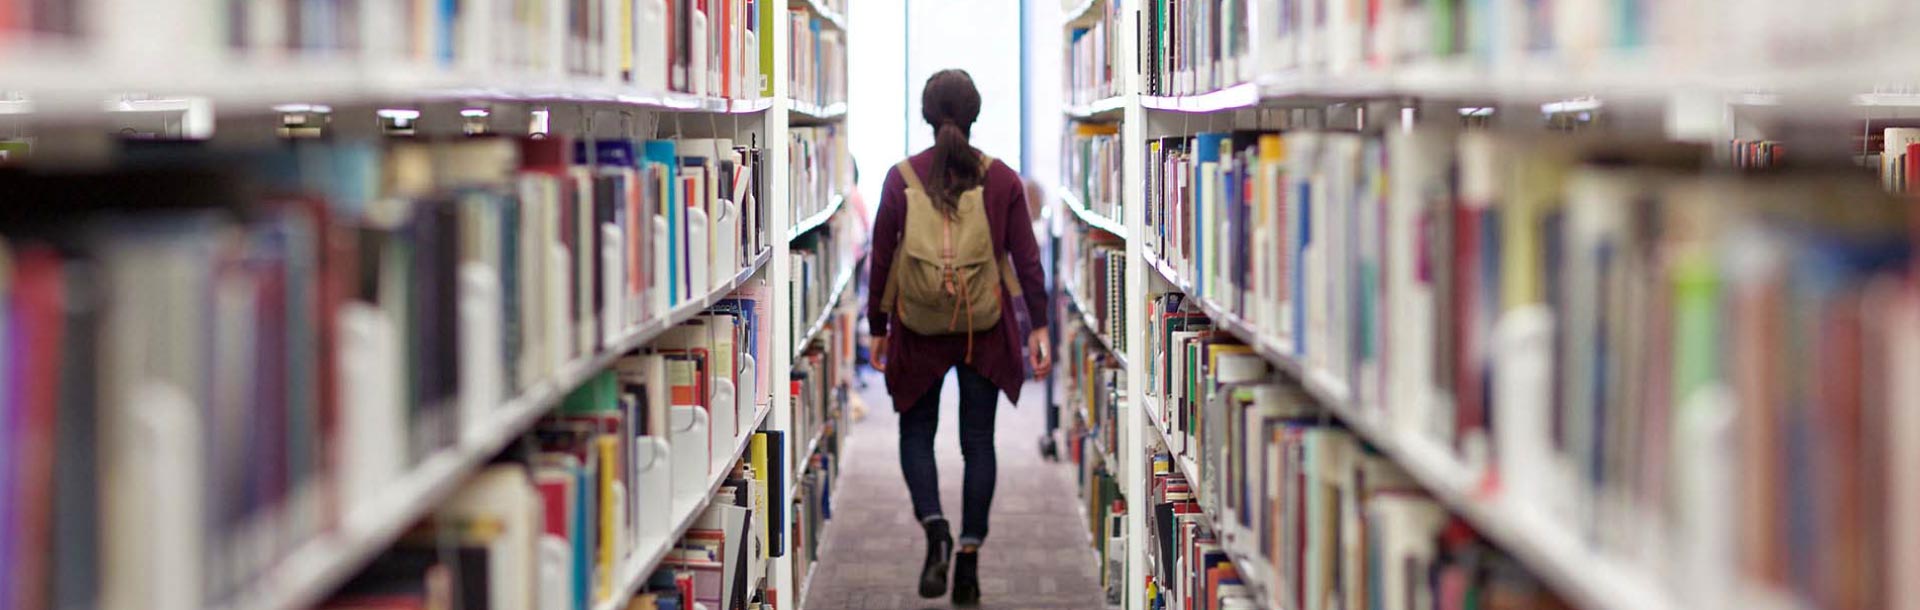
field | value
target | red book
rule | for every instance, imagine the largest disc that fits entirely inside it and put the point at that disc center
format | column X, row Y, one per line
column 39, row 304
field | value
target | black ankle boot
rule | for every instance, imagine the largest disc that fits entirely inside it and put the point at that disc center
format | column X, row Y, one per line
column 966, row 579
column 933, row 575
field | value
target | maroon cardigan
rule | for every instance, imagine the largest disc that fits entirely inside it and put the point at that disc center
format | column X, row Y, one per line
column 917, row 363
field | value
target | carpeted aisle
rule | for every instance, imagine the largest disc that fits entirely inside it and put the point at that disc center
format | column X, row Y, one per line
column 1036, row 558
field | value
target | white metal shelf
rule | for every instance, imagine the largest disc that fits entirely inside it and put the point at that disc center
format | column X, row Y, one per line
column 1079, row 13
column 1093, row 324
column 1237, row 97
column 256, row 87
column 832, row 17
column 818, row 219
column 812, row 112
column 1093, row 219
column 840, row 287
column 312, row 572
column 639, row 565
column 1625, row 79
column 1553, row 552
column 1100, row 109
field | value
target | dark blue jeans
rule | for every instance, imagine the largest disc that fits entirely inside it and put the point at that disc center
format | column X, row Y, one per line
column 978, row 400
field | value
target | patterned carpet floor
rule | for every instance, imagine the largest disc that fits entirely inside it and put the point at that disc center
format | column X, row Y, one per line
column 1036, row 558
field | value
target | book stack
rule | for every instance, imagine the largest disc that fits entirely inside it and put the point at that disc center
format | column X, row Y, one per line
column 1196, row 47
column 1096, row 390
column 271, row 338
column 812, row 507
column 1093, row 272
column 1092, row 171
column 1900, row 159
column 819, row 171
column 818, row 58
column 824, row 263
column 1093, row 56
column 821, row 379
column 716, row 48
column 1593, row 327
column 1756, row 154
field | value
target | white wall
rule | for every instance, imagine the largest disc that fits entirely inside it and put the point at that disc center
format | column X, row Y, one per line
column 876, row 66
column 894, row 45
column 983, row 38
column 1046, row 56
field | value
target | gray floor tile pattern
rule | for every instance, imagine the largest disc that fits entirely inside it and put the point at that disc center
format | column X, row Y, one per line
column 1036, row 558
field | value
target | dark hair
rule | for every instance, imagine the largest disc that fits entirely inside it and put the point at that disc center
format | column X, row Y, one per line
column 950, row 103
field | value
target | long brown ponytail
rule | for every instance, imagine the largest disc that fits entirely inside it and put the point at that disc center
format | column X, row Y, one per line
column 951, row 104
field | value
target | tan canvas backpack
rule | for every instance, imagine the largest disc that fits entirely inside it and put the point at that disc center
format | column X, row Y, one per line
column 945, row 278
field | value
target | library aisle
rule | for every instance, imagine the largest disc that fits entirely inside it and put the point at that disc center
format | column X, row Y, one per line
column 1037, row 558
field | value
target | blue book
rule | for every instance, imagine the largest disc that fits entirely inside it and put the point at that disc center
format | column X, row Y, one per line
column 1206, row 150
column 661, row 153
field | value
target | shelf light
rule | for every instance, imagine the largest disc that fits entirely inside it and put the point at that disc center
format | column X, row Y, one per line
column 1586, row 104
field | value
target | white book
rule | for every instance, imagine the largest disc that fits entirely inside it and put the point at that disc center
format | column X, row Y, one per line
column 1421, row 159
column 373, row 423
column 699, row 277
column 650, row 56
column 480, row 359
column 726, row 237
column 662, row 270
column 700, row 77
column 613, row 279
column 1407, row 528
column 559, row 340
column 691, row 451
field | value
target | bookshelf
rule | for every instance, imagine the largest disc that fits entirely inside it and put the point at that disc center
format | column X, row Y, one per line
column 1593, row 579
column 318, row 567
column 139, row 59
column 1399, row 68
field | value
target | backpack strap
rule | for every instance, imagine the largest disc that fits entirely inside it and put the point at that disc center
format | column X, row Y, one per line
column 890, row 294
column 1007, row 273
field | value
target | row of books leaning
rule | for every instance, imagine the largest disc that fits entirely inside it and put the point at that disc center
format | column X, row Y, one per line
column 1093, row 57
column 605, row 481
column 1262, row 500
column 1703, row 374
column 244, row 348
column 1092, row 169
column 827, row 264
column 1092, row 390
column 822, row 380
column 821, row 170
column 818, row 59
column 719, row 48
column 1197, row 46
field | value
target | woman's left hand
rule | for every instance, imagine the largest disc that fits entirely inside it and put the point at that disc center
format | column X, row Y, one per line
column 1037, row 353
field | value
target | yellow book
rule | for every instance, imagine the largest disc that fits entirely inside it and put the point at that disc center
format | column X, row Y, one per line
column 758, row 456
column 606, row 450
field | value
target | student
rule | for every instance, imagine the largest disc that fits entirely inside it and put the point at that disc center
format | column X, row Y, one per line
column 952, row 235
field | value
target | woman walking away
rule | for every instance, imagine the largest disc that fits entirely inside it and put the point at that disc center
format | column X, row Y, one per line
column 955, row 269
